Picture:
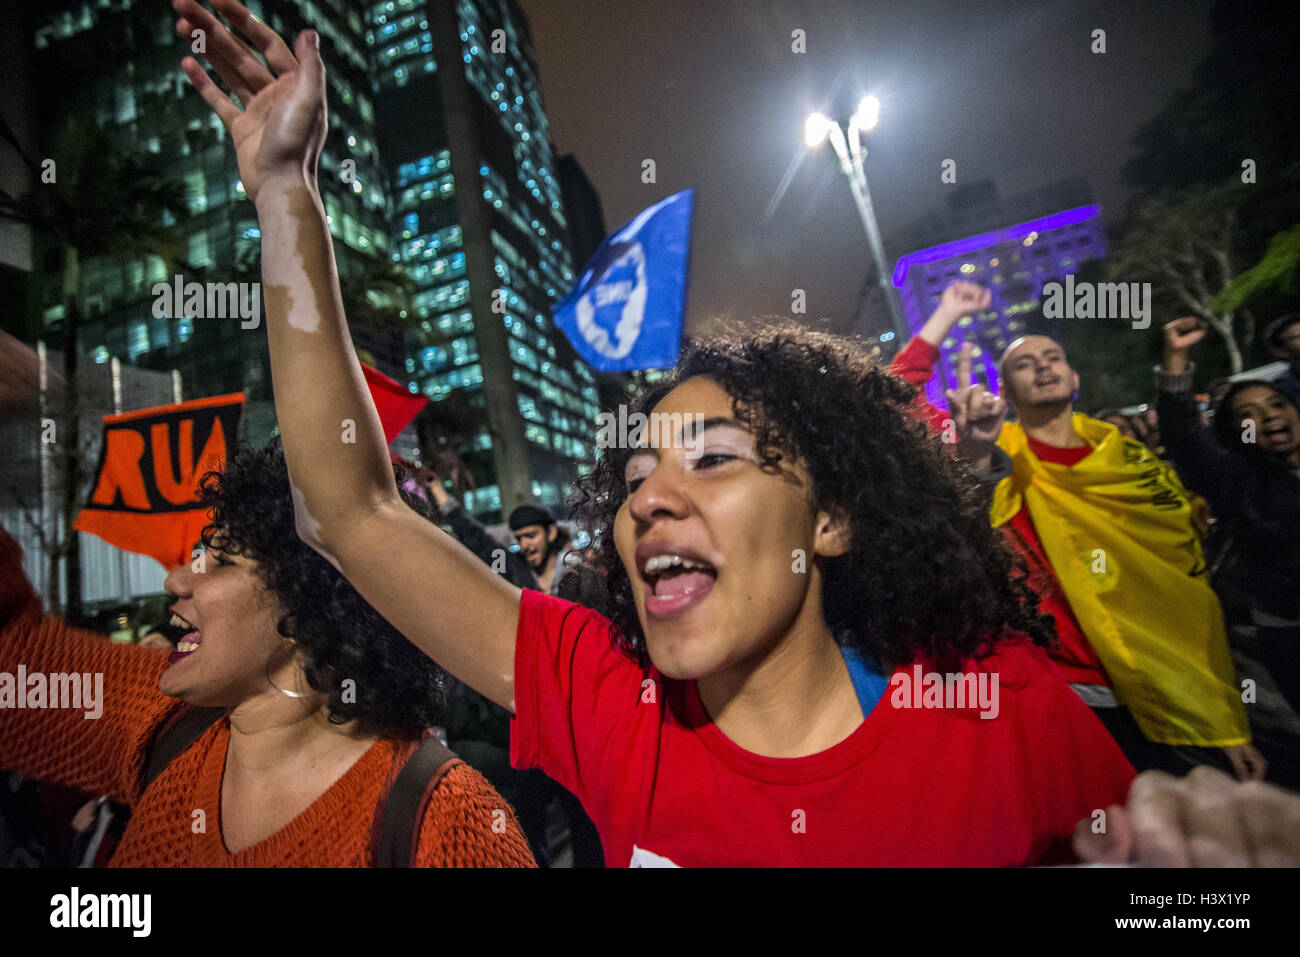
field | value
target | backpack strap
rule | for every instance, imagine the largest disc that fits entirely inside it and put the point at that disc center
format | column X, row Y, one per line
column 394, row 839
column 175, row 736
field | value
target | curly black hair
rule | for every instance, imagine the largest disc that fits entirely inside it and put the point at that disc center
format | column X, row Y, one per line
column 398, row 690
column 926, row 576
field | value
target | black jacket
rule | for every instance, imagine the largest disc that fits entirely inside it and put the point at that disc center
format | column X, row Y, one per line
column 476, row 538
column 1256, row 500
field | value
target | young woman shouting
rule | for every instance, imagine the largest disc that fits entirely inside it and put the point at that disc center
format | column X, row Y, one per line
column 784, row 582
column 314, row 707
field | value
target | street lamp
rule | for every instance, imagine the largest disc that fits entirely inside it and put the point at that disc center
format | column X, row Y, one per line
column 852, row 156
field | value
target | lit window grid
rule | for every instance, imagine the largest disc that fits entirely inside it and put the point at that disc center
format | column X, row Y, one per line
column 378, row 14
column 324, row 22
column 426, row 166
column 557, row 274
column 509, row 87
column 552, row 255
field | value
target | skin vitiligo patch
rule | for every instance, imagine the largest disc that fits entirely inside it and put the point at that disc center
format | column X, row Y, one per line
column 301, row 307
column 308, row 528
column 313, row 254
column 279, row 301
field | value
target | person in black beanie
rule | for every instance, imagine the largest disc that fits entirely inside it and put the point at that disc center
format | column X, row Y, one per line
column 549, row 552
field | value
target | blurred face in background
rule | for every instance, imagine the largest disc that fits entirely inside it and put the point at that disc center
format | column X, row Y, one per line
column 156, row 639
column 535, row 543
column 1288, row 347
column 1277, row 423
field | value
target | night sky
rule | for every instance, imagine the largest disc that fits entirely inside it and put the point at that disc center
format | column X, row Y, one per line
column 711, row 91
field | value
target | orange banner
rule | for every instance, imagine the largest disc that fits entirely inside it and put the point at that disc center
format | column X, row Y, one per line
column 149, row 473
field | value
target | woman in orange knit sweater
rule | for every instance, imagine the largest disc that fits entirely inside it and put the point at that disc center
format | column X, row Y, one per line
column 324, row 703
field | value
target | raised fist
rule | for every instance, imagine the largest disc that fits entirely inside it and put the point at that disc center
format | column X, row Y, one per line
column 1182, row 334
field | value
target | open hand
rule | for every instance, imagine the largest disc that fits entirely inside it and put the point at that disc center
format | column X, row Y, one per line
column 282, row 127
column 961, row 298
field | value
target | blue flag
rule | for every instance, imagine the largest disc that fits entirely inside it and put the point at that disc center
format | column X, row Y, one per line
column 626, row 310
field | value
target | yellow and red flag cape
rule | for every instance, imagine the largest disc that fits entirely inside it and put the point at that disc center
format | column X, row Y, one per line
column 1119, row 530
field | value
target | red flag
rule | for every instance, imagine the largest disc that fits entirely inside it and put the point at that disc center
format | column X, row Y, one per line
column 396, row 404
column 144, row 497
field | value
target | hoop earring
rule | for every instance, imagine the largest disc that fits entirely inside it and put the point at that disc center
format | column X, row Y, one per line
column 280, row 627
column 288, row 694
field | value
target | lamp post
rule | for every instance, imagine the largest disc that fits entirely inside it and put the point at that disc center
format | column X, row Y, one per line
column 852, row 156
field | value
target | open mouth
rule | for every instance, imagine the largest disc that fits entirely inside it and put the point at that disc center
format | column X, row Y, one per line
column 1277, row 434
column 1045, row 382
column 188, row 638
column 677, row 582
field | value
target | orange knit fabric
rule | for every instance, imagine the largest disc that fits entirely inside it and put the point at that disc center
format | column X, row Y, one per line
column 467, row 823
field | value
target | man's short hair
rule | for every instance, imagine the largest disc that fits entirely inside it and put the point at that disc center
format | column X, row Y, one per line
column 1015, row 344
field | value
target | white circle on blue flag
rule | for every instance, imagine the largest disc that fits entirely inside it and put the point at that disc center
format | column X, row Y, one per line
column 610, row 313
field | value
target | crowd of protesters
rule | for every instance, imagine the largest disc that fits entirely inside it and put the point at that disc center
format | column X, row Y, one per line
column 822, row 622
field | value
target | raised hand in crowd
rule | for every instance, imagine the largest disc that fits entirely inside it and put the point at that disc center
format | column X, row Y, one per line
column 1180, row 336
column 961, row 298
column 281, row 129
column 346, row 500
column 432, row 481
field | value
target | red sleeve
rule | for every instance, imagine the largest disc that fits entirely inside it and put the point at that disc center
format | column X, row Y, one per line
column 575, row 695
column 915, row 365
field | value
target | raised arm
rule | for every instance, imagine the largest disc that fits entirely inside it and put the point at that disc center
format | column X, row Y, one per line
column 1203, row 465
column 436, row 593
column 975, row 415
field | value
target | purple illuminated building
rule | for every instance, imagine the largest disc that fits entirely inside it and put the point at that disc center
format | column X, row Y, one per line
column 1014, row 263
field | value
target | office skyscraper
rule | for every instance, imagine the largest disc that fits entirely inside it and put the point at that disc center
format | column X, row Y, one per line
column 438, row 160
column 115, row 64
column 478, row 218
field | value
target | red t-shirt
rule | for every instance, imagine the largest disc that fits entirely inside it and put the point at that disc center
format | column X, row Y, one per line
column 1075, row 657
column 912, row 786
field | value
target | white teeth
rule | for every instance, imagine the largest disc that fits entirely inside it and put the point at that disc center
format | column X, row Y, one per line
column 187, row 646
column 660, row 563
column 179, row 622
